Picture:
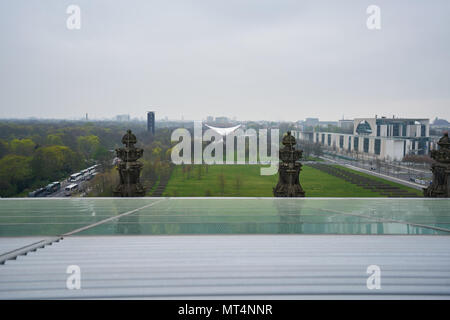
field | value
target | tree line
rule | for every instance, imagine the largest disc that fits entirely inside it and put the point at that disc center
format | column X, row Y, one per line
column 35, row 153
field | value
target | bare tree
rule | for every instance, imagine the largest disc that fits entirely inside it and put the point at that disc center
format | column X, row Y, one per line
column 238, row 183
column 199, row 172
column 221, row 178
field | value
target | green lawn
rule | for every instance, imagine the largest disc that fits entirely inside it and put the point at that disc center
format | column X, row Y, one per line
column 252, row 184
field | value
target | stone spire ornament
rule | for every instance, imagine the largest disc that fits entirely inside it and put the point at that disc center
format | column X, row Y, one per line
column 289, row 169
column 129, row 168
column 440, row 187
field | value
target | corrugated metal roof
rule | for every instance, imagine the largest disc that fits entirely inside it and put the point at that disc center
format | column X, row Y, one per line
column 231, row 266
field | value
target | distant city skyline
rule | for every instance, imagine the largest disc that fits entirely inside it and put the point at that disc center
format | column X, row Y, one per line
column 253, row 60
column 120, row 118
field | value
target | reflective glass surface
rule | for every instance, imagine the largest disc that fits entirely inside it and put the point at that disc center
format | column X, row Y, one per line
column 167, row 216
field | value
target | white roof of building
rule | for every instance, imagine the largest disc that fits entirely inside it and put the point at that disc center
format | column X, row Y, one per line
column 223, row 131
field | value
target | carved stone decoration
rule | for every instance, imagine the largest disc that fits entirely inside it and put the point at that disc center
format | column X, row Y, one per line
column 129, row 168
column 440, row 187
column 289, row 170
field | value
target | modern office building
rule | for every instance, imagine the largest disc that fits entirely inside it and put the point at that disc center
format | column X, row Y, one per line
column 383, row 138
column 151, row 122
column 324, row 124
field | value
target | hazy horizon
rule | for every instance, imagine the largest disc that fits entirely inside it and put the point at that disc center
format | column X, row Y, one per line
column 253, row 60
column 144, row 120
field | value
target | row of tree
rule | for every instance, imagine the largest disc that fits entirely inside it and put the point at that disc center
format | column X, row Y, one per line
column 35, row 153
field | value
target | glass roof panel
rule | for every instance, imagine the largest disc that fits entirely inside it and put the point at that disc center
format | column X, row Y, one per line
column 147, row 216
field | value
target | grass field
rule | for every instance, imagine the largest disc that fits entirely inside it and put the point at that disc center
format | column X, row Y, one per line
column 246, row 181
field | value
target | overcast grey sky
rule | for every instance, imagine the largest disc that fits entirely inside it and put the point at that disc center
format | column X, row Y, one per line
column 253, row 59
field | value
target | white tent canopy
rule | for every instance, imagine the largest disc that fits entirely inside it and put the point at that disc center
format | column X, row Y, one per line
column 224, row 131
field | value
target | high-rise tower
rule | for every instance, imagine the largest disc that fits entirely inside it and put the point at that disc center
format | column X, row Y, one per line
column 151, row 122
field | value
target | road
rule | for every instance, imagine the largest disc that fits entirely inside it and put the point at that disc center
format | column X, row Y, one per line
column 392, row 170
column 61, row 194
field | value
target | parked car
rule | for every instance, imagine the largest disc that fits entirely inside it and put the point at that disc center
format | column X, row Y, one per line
column 70, row 189
column 53, row 187
column 37, row 193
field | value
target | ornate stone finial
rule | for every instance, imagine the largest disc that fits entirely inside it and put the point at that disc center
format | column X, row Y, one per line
column 289, row 169
column 129, row 139
column 440, row 186
column 129, row 168
column 444, row 142
column 443, row 153
column 288, row 140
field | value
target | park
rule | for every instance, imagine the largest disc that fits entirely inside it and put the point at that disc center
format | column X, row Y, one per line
column 246, row 181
